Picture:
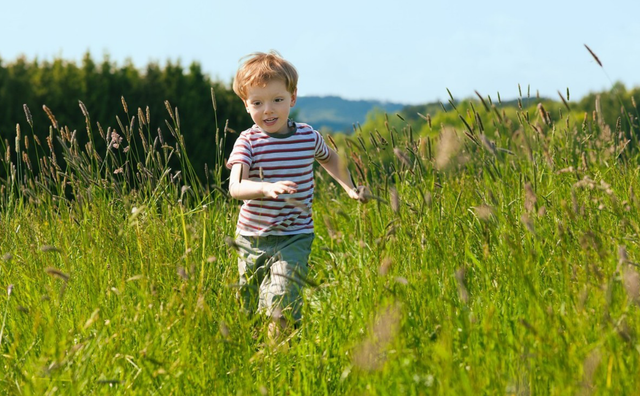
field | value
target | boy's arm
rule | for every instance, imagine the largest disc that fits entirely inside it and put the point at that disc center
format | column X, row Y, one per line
column 240, row 187
column 342, row 176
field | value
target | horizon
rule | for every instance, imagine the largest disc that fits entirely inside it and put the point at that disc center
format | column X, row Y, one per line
column 227, row 84
column 409, row 53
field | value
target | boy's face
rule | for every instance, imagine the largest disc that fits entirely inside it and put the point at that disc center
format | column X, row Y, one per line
column 269, row 106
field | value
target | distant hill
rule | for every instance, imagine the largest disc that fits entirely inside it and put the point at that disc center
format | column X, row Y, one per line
column 338, row 114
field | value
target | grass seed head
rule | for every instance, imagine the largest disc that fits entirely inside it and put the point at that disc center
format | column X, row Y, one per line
column 56, row 273
column 631, row 281
column 594, row 55
column 447, row 148
column 84, row 110
column 395, row 199
column 530, row 198
column 27, row 113
column 231, row 243
column 484, row 212
column 124, row 104
column 462, row 288
column 182, row 273
column 370, row 355
column 623, row 258
column 291, row 201
column 141, row 117
column 49, row 248
column 403, row 157
column 528, row 223
column 590, row 365
column 224, row 329
column 52, row 118
column 385, row 266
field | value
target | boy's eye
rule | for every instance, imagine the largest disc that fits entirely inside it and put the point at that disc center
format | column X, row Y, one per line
column 256, row 103
column 279, row 99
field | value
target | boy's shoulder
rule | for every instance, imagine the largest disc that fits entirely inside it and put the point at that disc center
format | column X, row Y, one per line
column 301, row 126
column 255, row 130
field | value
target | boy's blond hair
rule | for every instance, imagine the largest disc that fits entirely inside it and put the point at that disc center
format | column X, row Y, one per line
column 260, row 68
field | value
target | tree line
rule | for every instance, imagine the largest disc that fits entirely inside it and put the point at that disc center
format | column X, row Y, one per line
column 115, row 95
column 112, row 95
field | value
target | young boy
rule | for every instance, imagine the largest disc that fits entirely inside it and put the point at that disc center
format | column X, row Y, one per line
column 272, row 171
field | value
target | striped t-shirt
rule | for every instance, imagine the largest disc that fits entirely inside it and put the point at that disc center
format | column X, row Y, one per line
column 273, row 158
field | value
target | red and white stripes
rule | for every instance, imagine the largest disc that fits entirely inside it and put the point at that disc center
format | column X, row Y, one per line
column 273, row 158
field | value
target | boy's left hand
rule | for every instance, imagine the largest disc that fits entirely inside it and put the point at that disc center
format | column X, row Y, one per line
column 361, row 193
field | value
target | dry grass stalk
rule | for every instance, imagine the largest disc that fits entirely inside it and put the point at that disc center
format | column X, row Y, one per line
column 528, row 223
column 291, row 201
column 426, row 118
column 594, row 55
column 52, row 118
column 543, row 114
column 447, row 148
column 124, row 105
column 49, row 248
column 27, row 113
column 403, row 157
column 488, row 144
column 631, row 281
column 116, row 140
column 483, row 102
column 84, row 110
column 385, row 266
column 182, row 273
column 213, row 99
column 231, row 243
column 168, row 106
column 462, row 289
column 57, row 273
column 333, row 234
column 590, row 365
column 563, row 99
column 530, row 198
column 370, row 354
column 333, row 143
column 141, row 117
column 484, row 212
column 395, row 199
column 18, row 135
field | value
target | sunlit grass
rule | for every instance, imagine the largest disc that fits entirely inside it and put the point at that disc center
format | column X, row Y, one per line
column 487, row 263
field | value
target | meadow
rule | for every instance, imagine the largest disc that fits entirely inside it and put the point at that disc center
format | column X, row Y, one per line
column 498, row 258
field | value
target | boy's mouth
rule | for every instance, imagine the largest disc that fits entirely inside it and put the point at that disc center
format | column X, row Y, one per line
column 270, row 121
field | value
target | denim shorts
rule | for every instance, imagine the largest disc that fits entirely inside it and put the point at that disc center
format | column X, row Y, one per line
column 273, row 270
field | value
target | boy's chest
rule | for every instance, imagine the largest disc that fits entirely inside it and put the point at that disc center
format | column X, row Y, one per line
column 274, row 151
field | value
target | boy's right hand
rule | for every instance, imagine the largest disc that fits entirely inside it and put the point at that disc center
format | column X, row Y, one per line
column 274, row 190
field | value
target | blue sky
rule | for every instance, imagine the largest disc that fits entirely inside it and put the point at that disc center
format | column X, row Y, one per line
column 401, row 51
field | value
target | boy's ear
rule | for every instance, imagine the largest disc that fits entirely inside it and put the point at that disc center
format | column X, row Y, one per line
column 294, row 96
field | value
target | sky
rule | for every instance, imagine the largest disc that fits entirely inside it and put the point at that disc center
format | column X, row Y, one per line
column 401, row 51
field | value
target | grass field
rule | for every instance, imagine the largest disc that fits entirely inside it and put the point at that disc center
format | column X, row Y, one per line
column 497, row 262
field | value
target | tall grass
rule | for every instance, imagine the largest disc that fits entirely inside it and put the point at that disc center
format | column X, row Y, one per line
column 497, row 259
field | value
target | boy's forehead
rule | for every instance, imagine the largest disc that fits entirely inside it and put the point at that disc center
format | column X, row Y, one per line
column 266, row 87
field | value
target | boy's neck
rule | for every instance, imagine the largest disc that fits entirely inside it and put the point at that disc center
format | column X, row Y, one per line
column 292, row 127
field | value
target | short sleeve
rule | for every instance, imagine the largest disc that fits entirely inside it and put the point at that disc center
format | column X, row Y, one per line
column 241, row 153
column 322, row 151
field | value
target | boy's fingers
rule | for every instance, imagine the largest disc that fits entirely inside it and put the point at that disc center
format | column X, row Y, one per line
column 289, row 183
column 364, row 193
